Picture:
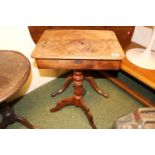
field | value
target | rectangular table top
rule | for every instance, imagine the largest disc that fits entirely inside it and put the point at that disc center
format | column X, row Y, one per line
column 78, row 44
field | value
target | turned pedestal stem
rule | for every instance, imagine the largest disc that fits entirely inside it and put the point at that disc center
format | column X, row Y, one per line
column 77, row 98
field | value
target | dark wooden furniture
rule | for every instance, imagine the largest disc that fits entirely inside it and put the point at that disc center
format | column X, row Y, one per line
column 78, row 50
column 124, row 34
column 14, row 71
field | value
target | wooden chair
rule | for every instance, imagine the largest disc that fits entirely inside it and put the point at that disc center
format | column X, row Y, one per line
column 14, row 71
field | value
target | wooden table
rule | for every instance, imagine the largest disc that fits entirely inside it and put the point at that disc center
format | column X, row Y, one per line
column 78, row 50
column 14, row 71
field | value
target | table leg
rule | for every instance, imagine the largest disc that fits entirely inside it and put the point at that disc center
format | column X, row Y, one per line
column 88, row 114
column 24, row 122
column 77, row 98
column 63, row 103
column 9, row 117
column 64, row 87
column 95, row 87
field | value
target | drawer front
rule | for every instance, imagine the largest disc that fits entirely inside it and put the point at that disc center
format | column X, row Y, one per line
column 79, row 64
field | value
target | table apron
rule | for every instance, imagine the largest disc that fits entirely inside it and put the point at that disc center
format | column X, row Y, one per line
column 78, row 64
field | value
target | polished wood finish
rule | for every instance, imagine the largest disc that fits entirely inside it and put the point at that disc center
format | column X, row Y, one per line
column 78, row 44
column 64, row 87
column 144, row 75
column 123, row 33
column 9, row 117
column 87, row 77
column 126, row 88
column 92, row 82
column 78, row 64
column 14, row 71
column 77, row 98
column 78, row 49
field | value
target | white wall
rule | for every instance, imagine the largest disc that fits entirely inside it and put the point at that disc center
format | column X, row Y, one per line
column 142, row 36
column 18, row 38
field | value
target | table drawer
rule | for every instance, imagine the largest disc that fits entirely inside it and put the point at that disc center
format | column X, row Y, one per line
column 79, row 64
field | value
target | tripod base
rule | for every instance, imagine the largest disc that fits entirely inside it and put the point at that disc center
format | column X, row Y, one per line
column 78, row 102
column 9, row 117
column 77, row 98
column 140, row 57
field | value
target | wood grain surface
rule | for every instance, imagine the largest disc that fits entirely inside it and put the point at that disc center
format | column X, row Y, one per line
column 78, row 64
column 123, row 33
column 78, row 44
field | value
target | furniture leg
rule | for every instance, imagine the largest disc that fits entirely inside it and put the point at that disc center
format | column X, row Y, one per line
column 9, row 117
column 95, row 87
column 88, row 114
column 24, row 122
column 78, row 95
column 63, row 103
column 77, row 99
column 64, row 87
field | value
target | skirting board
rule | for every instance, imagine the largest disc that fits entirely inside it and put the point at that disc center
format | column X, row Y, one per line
column 130, row 91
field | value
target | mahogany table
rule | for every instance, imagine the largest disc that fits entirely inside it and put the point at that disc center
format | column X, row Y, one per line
column 14, row 72
column 78, row 50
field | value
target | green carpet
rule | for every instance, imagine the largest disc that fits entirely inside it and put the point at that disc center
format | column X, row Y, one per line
column 35, row 106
